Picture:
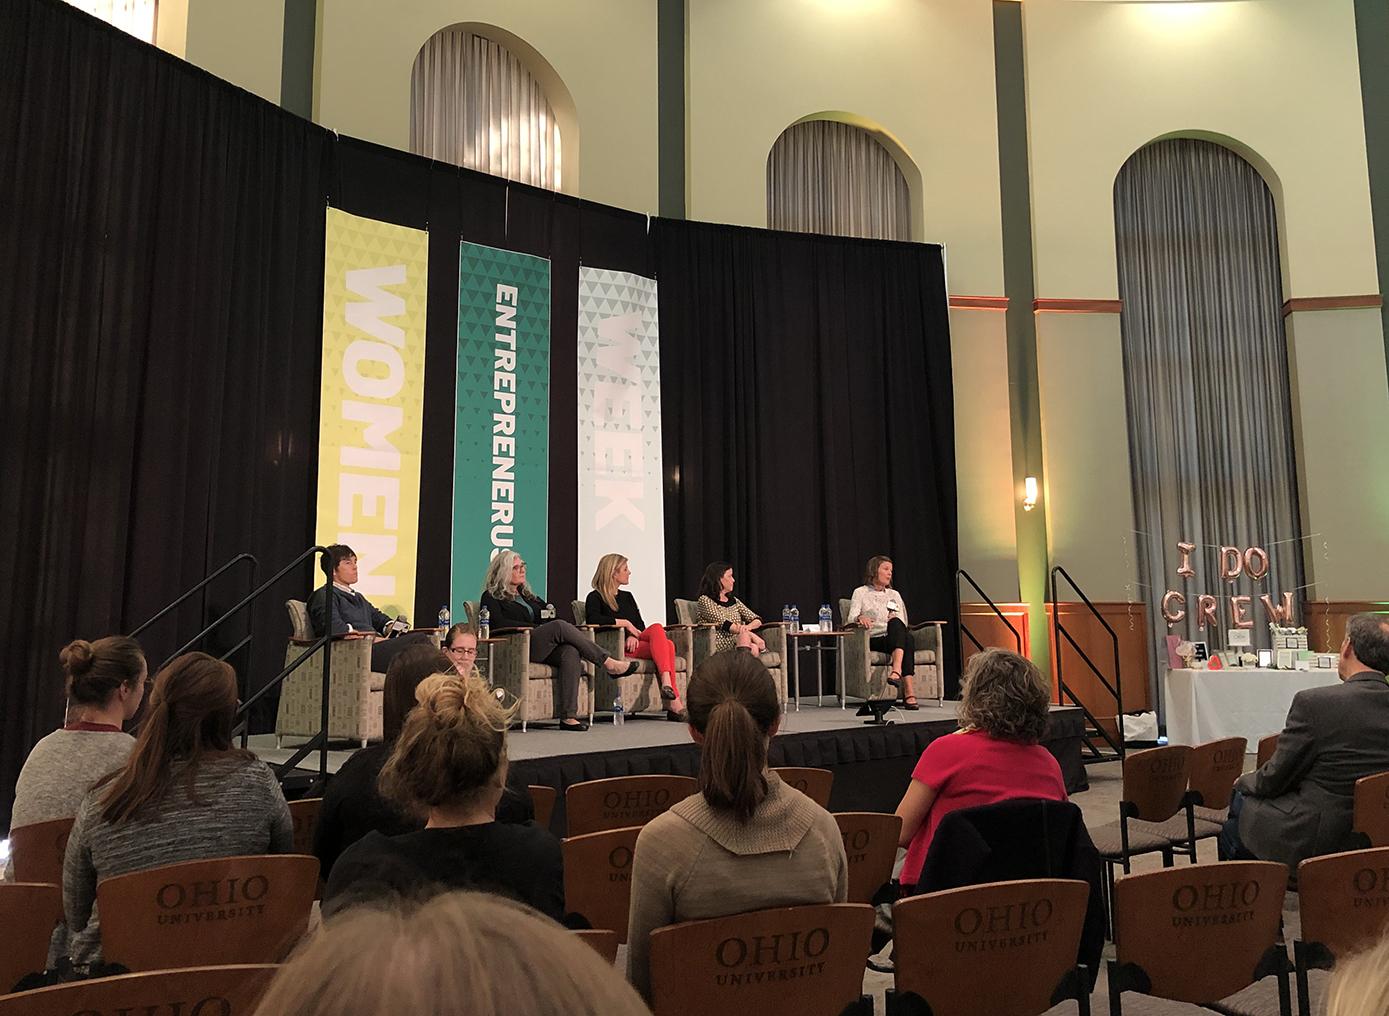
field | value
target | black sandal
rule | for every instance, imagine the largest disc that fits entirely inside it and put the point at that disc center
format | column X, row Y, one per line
column 668, row 693
column 910, row 704
column 894, row 679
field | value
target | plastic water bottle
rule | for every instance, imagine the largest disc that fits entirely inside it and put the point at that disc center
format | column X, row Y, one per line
column 826, row 618
column 484, row 623
column 795, row 618
column 786, row 616
column 619, row 715
column 445, row 620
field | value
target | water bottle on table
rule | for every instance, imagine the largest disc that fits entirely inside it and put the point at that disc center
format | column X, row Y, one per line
column 619, row 715
column 826, row 618
column 484, row 623
column 786, row 616
column 445, row 620
column 795, row 618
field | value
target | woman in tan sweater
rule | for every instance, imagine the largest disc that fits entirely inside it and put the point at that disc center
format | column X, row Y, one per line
column 747, row 841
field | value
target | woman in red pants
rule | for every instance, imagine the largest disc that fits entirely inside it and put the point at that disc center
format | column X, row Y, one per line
column 610, row 604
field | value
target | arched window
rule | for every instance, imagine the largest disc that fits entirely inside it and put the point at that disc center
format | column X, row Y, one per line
column 474, row 103
column 1206, row 374
column 824, row 176
column 138, row 17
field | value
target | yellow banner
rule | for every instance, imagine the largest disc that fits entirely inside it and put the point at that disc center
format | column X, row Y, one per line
column 371, row 408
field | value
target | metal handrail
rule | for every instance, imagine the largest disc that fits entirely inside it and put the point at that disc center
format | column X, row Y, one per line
column 960, row 573
column 255, row 565
column 1115, row 689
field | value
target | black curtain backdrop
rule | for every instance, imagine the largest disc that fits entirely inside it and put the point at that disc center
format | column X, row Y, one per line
column 807, row 415
column 161, row 233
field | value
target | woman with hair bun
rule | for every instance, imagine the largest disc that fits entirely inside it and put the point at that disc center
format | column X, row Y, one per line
column 105, row 687
column 184, row 794
column 449, row 766
column 746, row 841
column 995, row 756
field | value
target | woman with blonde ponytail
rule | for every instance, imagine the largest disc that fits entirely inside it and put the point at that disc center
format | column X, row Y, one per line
column 746, row 841
column 184, row 794
column 449, row 767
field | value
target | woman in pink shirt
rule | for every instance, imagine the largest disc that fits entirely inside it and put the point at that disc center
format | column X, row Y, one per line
column 994, row 756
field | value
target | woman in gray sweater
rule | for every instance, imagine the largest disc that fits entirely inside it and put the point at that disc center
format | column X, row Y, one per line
column 184, row 794
column 746, row 841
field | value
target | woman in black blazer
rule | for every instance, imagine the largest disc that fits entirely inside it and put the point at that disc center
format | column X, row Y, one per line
column 511, row 604
column 610, row 604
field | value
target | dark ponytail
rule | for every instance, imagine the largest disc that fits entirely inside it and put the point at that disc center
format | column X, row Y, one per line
column 96, row 669
column 733, row 704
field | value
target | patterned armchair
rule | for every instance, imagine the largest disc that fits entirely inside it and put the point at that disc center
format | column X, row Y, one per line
column 774, row 659
column 866, row 671
column 354, row 697
column 535, row 686
column 642, row 692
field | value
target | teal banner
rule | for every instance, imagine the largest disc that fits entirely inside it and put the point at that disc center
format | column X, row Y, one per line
column 502, row 420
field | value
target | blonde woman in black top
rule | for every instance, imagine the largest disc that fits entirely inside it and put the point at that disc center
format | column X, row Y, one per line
column 610, row 604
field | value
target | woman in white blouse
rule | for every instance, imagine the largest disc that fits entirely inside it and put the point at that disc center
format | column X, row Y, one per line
column 880, row 609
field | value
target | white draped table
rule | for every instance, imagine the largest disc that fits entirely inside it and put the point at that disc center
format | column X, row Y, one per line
column 1204, row 705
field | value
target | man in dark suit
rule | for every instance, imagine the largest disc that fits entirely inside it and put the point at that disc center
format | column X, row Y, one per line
column 1299, row 803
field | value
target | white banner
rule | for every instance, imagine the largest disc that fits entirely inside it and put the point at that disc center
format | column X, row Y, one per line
column 620, row 499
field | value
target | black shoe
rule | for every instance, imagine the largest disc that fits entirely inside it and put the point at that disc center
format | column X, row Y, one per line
column 631, row 669
column 668, row 693
column 674, row 717
column 579, row 726
column 909, row 704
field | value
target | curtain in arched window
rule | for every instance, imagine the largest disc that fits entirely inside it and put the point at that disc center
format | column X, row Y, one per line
column 134, row 16
column 829, row 177
column 473, row 103
column 1206, row 376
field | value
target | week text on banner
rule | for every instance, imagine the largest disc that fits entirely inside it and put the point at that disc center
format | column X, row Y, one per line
column 501, row 487
column 374, row 282
column 619, row 432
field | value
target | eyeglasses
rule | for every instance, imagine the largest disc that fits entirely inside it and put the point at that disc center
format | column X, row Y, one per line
column 461, row 651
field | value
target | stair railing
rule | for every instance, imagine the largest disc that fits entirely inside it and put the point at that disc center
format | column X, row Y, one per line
column 1115, row 689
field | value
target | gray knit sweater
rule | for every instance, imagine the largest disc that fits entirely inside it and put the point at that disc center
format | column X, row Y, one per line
column 241, row 812
column 696, row 862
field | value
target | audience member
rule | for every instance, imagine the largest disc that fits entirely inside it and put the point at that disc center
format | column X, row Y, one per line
column 460, row 646
column 105, row 687
column 1360, row 984
column 1299, row 804
column 994, row 756
column 184, row 794
column 881, row 609
column 610, row 604
column 735, row 623
column 512, row 604
column 459, row 952
column 353, row 614
column 449, row 762
column 746, row 841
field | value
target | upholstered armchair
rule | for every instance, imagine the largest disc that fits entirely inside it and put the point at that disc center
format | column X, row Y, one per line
column 534, row 686
column 354, row 696
column 774, row 659
column 640, row 693
column 866, row 671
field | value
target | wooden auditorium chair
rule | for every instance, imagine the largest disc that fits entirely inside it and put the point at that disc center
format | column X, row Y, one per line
column 598, row 805
column 1003, row 948
column 354, row 695
column 36, row 851
column 231, row 990
column 1199, row 933
column 251, row 909
column 604, row 943
column 774, row 658
column 1268, row 744
column 640, row 693
column 803, row 960
column 543, row 800
column 1343, row 903
column 597, row 878
column 870, row 845
column 533, row 687
column 815, row 784
column 866, row 670
column 1215, row 766
column 29, row 911
column 1371, row 815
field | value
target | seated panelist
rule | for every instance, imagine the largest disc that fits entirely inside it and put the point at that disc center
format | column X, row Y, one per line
column 610, row 604
column 511, row 603
column 735, row 622
column 881, row 609
column 353, row 614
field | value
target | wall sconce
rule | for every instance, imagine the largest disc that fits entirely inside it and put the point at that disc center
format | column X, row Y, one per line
column 1029, row 495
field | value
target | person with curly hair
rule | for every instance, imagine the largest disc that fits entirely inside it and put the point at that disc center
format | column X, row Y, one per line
column 994, row 756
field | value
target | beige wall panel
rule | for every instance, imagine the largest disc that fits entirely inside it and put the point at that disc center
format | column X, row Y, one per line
column 983, row 452
column 603, row 50
column 241, row 42
column 1278, row 76
column 1088, row 496
column 1340, row 412
column 922, row 69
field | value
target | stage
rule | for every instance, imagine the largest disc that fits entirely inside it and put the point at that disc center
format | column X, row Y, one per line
column 871, row 764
